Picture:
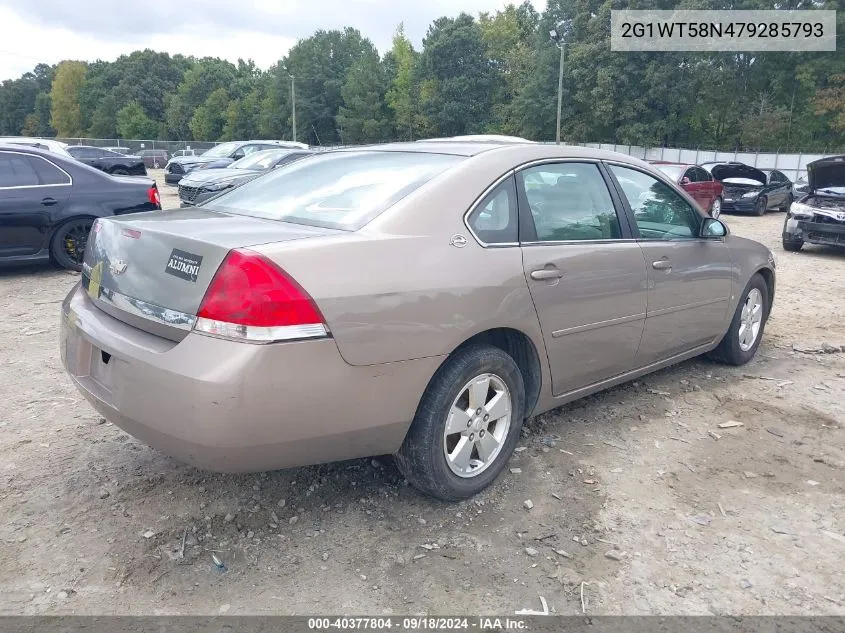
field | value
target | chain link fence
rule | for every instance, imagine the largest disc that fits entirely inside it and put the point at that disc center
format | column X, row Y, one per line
column 793, row 166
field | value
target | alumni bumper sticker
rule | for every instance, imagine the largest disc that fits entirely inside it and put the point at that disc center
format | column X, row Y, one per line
column 184, row 265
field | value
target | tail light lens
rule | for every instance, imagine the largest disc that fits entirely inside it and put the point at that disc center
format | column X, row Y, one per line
column 153, row 195
column 252, row 299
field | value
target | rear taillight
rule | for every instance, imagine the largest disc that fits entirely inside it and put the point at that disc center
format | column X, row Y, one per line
column 153, row 195
column 252, row 299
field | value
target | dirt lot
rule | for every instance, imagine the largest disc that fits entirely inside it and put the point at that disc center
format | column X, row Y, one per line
column 742, row 520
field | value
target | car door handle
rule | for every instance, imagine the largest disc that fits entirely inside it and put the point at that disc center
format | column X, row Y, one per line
column 662, row 264
column 546, row 273
column 48, row 202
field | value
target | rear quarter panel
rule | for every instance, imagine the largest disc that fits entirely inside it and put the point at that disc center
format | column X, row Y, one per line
column 398, row 290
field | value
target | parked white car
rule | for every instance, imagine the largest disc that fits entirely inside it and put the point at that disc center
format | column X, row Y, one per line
column 57, row 147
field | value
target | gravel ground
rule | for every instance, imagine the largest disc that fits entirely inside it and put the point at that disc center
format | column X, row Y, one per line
column 640, row 498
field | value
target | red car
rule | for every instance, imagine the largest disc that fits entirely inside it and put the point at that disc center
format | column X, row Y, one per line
column 697, row 182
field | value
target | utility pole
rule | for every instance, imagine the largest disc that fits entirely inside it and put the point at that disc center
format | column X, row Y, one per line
column 558, row 36
column 292, row 101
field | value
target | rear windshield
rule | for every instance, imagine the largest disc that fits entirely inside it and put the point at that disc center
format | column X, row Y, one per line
column 339, row 190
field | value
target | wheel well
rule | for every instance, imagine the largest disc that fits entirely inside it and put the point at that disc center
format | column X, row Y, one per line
column 769, row 278
column 519, row 347
column 58, row 226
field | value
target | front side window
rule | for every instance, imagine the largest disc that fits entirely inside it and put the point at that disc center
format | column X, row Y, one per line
column 337, row 190
column 494, row 220
column 570, row 202
column 16, row 171
column 660, row 213
column 691, row 175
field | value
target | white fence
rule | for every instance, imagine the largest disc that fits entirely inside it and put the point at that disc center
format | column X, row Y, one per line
column 794, row 166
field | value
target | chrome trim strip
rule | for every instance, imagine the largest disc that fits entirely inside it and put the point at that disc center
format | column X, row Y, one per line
column 477, row 202
column 60, row 184
column 559, row 242
column 146, row 310
column 686, row 306
column 598, row 325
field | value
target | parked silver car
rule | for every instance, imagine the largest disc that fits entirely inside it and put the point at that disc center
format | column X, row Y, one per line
column 418, row 299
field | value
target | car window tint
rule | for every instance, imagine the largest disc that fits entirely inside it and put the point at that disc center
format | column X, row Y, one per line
column 48, row 173
column 690, row 173
column 660, row 213
column 702, row 175
column 338, row 190
column 570, row 201
column 16, row 171
column 494, row 220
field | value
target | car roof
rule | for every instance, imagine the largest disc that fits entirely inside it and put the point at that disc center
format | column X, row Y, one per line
column 25, row 148
column 531, row 151
column 666, row 163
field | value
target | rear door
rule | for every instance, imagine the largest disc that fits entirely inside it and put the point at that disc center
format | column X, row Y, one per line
column 32, row 191
column 689, row 278
column 585, row 272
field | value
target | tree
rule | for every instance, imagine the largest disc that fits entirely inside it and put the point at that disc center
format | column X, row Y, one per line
column 403, row 94
column 454, row 63
column 209, row 119
column 133, row 123
column 66, row 115
column 831, row 101
column 320, row 64
column 364, row 116
column 509, row 36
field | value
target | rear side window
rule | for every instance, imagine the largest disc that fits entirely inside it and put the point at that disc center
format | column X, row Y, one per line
column 494, row 220
column 48, row 173
column 340, row 190
column 702, row 175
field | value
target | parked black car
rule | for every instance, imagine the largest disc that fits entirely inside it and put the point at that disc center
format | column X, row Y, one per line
column 203, row 184
column 154, row 158
column 108, row 161
column 219, row 156
column 819, row 216
column 751, row 190
column 48, row 204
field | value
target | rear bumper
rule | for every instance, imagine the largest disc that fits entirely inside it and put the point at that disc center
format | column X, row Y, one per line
column 827, row 233
column 234, row 407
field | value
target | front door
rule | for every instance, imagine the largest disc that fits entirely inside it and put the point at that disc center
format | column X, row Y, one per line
column 585, row 273
column 689, row 278
column 31, row 191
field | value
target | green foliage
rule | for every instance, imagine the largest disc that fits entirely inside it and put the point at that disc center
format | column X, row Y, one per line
column 497, row 73
column 364, row 117
column 460, row 80
column 66, row 113
column 133, row 123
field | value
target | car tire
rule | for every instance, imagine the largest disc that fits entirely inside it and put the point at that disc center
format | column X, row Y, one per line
column 761, row 206
column 438, row 428
column 68, row 243
column 716, row 208
column 740, row 343
column 119, row 171
column 793, row 246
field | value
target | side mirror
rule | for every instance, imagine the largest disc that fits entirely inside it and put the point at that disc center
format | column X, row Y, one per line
column 685, row 181
column 713, row 229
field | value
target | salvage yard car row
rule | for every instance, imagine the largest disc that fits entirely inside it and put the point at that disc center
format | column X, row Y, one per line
column 552, row 272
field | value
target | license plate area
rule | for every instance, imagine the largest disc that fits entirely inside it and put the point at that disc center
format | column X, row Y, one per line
column 101, row 368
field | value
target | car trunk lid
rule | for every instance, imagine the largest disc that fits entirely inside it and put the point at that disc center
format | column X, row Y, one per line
column 151, row 270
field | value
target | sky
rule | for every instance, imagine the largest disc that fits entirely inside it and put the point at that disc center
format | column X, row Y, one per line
column 33, row 31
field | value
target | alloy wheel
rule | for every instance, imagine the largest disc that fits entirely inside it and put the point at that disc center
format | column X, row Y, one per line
column 751, row 319
column 477, row 425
